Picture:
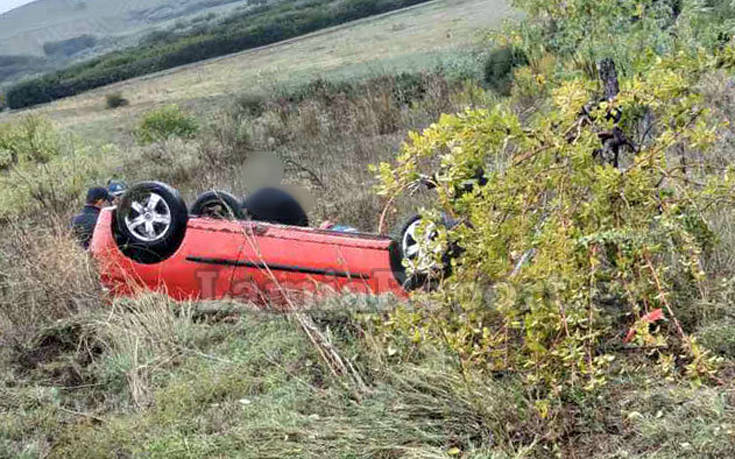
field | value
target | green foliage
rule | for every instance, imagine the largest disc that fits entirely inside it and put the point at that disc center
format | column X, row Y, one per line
column 563, row 253
column 164, row 123
column 631, row 32
column 250, row 104
column 115, row 100
column 36, row 189
column 719, row 336
column 254, row 27
column 43, row 169
column 499, row 66
column 32, row 140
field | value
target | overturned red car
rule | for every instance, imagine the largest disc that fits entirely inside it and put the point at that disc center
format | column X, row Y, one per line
column 218, row 249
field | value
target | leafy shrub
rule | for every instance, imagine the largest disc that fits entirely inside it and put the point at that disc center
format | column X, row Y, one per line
column 499, row 66
column 250, row 104
column 50, row 188
column 719, row 336
column 563, row 252
column 164, row 123
column 172, row 160
column 46, row 170
column 319, row 89
column 115, row 100
column 33, row 139
column 408, row 87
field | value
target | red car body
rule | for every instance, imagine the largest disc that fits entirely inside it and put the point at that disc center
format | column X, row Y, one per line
column 253, row 261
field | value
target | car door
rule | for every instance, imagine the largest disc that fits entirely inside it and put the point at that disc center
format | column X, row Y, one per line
column 279, row 263
column 203, row 267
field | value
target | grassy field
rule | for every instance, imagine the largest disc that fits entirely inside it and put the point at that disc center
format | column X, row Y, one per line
column 409, row 39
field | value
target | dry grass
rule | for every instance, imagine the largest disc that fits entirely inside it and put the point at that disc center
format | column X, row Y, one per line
column 142, row 336
column 45, row 276
column 324, row 144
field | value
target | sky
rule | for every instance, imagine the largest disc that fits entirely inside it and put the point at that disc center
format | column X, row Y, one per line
column 7, row 5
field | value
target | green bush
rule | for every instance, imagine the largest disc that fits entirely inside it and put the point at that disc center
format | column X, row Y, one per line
column 562, row 251
column 45, row 170
column 499, row 66
column 164, row 123
column 67, row 48
column 32, row 140
column 250, row 104
column 115, row 100
column 719, row 336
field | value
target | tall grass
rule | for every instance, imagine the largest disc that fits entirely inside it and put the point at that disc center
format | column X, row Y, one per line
column 45, row 276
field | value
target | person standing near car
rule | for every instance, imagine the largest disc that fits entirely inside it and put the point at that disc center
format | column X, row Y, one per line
column 83, row 224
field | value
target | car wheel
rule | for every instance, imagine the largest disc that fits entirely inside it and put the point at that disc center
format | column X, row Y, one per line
column 150, row 222
column 422, row 266
column 218, row 204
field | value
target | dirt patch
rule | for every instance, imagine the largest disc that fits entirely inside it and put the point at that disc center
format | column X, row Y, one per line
column 60, row 355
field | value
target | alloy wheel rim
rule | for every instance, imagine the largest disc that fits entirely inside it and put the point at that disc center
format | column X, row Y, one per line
column 149, row 218
column 415, row 245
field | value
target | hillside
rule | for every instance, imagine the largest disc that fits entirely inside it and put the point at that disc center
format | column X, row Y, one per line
column 25, row 30
column 49, row 35
column 401, row 41
column 258, row 25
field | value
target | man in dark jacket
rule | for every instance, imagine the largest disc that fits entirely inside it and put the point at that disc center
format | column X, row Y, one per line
column 83, row 224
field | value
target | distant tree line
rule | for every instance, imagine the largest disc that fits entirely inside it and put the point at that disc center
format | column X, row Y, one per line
column 258, row 26
column 12, row 66
column 67, row 48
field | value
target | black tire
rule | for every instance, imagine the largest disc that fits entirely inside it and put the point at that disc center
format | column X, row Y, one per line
column 419, row 279
column 273, row 205
column 218, row 204
column 150, row 222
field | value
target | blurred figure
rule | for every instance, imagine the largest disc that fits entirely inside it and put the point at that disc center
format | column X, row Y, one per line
column 273, row 205
column 83, row 224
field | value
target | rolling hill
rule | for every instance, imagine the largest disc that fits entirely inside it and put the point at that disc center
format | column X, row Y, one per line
column 402, row 40
column 25, row 30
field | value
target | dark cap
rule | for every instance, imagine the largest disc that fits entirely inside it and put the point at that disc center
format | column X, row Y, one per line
column 98, row 193
column 117, row 187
